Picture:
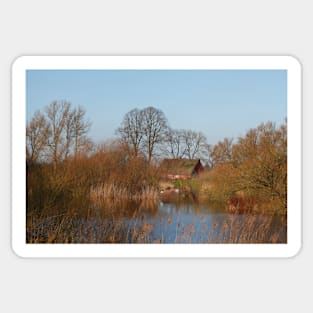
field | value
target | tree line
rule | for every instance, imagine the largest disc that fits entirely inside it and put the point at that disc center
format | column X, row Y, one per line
column 57, row 133
column 61, row 131
column 64, row 164
column 147, row 132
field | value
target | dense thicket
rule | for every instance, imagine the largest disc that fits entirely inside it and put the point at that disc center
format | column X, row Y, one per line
column 251, row 173
column 79, row 182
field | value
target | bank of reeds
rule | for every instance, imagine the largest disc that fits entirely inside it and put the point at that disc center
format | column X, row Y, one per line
column 251, row 229
column 65, row 228
column 114, row 193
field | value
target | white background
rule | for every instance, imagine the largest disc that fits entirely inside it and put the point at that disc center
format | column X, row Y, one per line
column 155, row 27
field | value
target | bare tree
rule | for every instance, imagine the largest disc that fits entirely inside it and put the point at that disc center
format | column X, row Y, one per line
column 174, row 146
column 57, row 116
column 131, row 130
column 80, row 128
column 207, row 155
column 155, row 126
column 194, row 144
column 68, row 130
column 222, row 152
column 68, row 133
column 37, row 133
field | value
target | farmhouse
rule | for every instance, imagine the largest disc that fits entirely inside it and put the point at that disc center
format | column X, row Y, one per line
column 181, row 168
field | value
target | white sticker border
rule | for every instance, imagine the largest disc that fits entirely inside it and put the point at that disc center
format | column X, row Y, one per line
column 24, row 63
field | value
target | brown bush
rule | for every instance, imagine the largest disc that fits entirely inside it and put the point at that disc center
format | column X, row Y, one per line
column 81, row 181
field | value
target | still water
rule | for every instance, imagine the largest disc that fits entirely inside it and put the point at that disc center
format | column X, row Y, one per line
column 194, row 223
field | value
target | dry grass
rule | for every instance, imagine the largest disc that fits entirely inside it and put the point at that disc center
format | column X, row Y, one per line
column 253, row 229
column 102, row 194
column 73, row 228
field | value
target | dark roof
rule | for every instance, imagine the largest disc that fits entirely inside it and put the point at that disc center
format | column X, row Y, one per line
column 179, row 166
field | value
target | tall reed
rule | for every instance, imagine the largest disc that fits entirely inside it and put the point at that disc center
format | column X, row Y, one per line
column 111, row 192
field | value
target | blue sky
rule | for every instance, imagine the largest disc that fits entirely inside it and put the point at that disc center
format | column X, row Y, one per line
column 219, row 103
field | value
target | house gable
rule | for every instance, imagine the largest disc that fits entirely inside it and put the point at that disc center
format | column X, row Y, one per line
column 180, row 168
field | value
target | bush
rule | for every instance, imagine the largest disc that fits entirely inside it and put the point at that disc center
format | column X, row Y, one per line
column 255, row 176
column 77, row 181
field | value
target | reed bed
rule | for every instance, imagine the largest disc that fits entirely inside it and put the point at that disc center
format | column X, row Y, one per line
column 251, row 229
column 101, row 193
column 65, row 228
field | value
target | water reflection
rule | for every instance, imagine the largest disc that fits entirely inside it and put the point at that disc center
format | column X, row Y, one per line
column 154, row 222
column 182, row 222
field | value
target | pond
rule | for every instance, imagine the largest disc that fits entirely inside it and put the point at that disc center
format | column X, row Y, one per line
column 172, row 222
column 194, row 223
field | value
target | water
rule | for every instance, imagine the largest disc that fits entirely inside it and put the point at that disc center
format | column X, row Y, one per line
column 184, row 223
column 160, row 222
column 194, row 223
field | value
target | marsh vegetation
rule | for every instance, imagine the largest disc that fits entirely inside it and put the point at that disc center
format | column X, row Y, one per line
column 118, row 192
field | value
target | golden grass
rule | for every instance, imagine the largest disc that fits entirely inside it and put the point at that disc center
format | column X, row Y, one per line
column 72, row 228
column 101, row 194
